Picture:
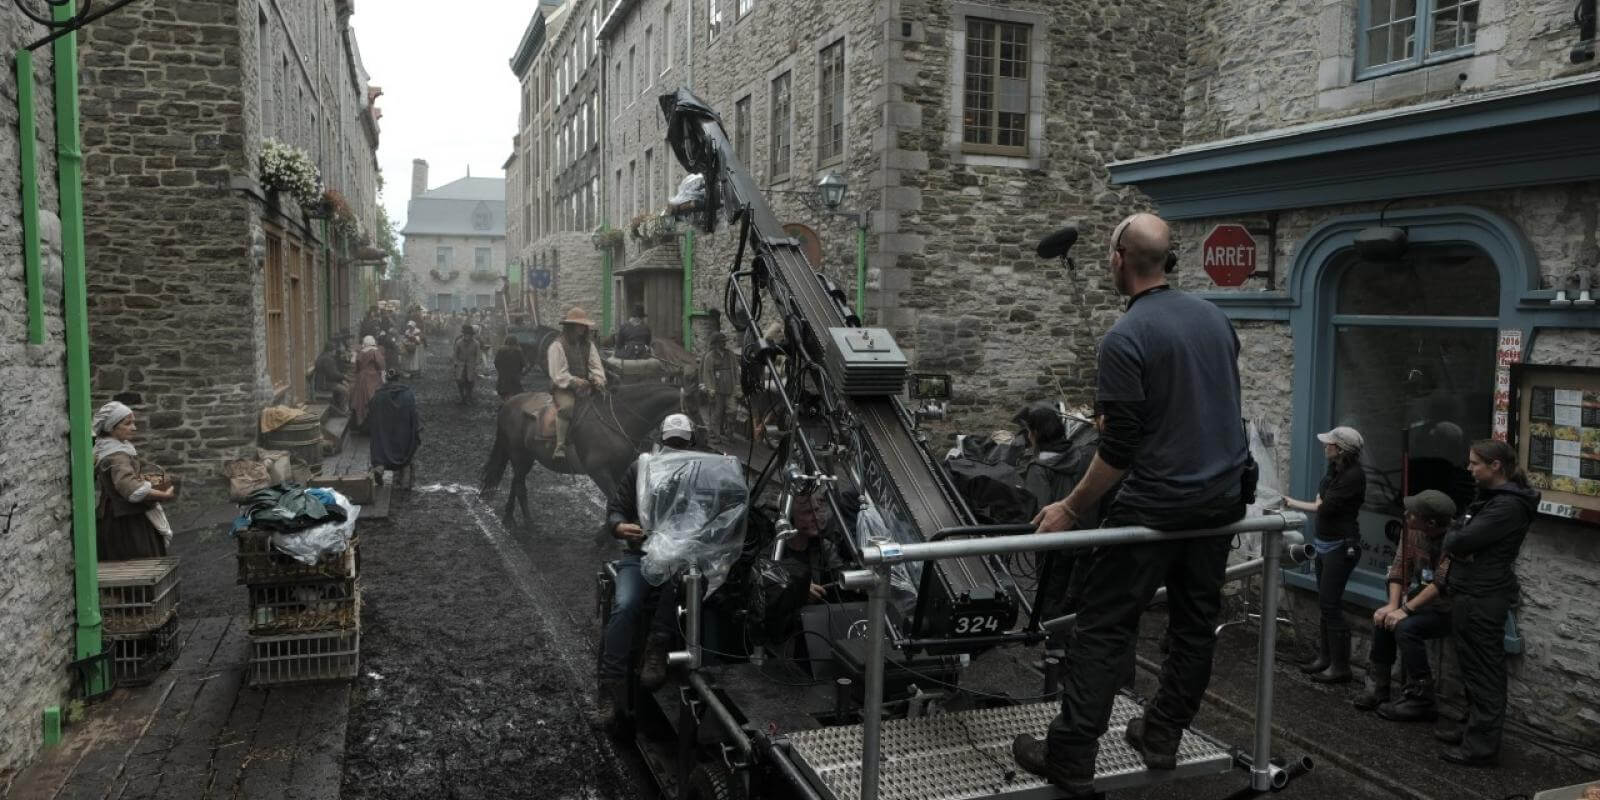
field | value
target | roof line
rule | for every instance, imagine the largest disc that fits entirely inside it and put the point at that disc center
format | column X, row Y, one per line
column 528, row 47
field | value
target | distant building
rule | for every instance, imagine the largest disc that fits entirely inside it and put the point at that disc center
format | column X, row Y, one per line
column 455, row 241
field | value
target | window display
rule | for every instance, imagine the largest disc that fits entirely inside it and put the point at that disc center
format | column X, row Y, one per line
column 1556, row 430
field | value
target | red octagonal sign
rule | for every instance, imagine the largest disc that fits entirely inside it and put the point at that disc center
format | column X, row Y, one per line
column 1229, row 255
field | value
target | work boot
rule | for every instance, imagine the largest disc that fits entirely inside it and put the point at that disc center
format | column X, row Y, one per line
column 653, row 674
column 1416, row 704
column 1456, row 755
column 1377, row 688
column 1157, row 745
column 1322, row 660
column 1032, row 754
column 1338, row 670
column 605, row 704
column 1450, row 735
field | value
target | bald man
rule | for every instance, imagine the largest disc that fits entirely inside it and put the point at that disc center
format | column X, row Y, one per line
column 1167, row 391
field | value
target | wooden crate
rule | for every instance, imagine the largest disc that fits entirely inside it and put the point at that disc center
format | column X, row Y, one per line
column 259, row 564
column 138, row 596
column 289, row 608
column 136, row 658
column 304, row 657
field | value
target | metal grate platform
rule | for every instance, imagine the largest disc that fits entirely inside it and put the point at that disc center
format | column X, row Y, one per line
column 938, row 758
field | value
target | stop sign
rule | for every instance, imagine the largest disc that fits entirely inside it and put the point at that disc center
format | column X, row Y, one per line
column 1228, row 255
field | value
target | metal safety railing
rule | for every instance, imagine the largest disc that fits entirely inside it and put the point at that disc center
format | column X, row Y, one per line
column 879, row 554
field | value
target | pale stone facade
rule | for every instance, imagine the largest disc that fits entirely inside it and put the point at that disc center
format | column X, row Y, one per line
column 36, row 600
column 1255, row 73
column 177, row 101
column 455, row 242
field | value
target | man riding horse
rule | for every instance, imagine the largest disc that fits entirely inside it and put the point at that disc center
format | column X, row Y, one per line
column 575, row 370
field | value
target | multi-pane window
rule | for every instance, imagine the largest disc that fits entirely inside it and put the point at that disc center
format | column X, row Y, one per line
column 1400, row 34
column 741, row 130
column 745, row 6
column 632, row 71
column 780, row 125
column 649, row 181
column 480, row 258
column 830, row 102
column 713, row 18
column 666, row 37
column 442, row 257
column 995, row 93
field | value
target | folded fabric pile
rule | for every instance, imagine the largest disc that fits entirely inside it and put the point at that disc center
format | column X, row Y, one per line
column 287, row 507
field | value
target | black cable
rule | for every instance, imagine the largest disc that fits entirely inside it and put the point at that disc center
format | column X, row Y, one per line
column 1009, row 774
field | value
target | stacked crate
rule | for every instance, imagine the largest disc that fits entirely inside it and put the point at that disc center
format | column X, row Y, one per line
column 139, row 616
column 305, row 620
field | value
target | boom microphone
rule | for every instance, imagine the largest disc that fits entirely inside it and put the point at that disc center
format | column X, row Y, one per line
column 1057, row 244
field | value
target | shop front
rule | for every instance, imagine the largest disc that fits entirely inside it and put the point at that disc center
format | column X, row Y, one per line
column 1414, row 338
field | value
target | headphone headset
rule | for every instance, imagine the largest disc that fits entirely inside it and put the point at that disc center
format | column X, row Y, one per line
column 1172, row 255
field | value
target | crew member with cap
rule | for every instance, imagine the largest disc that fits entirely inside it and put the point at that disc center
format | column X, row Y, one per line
column 1338, row 545
column 616, row 644
column 575, row 370
column 1168, row 387
column 633, row 338
column 129, row 521
column 1418, row 610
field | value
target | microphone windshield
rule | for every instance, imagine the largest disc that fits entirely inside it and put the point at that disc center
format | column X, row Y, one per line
column 1057, row 244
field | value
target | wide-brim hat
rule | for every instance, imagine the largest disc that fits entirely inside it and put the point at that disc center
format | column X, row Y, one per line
column 577, row 316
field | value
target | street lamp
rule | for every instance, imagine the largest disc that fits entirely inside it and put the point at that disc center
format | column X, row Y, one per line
column 831, row 189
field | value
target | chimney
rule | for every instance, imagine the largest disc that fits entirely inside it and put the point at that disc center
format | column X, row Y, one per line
column 419, row 176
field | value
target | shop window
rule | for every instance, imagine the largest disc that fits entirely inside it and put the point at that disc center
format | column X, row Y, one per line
column 1413, row 370
column 1400, row 34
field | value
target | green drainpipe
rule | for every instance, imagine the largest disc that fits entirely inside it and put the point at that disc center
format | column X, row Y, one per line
column 28, row 154
column 75, row 291
column 688, row 290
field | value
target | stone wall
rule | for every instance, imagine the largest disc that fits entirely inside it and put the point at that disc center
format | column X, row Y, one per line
column 36, row 594
column 421, row 261
column 1257, row 65
column 169, row 247
column 1552, row 681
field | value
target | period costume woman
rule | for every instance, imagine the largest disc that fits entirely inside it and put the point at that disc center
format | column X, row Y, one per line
column 370, row 365
column 129, row 520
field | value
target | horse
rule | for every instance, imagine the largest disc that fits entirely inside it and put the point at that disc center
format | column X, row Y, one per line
column 607, row 433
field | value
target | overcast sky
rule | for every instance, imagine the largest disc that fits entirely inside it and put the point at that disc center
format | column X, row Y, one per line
column 448, row 93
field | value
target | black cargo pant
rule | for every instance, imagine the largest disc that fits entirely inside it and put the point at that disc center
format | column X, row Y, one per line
column 1118, row 582
column 1478, row 624
column 1410, row 637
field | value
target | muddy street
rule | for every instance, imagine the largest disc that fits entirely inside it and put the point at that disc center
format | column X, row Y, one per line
column 478, row 640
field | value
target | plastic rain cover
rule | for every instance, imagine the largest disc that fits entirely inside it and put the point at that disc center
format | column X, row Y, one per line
column 905, row 577
column 320, row 542
column 692, row 506
column 691, row 190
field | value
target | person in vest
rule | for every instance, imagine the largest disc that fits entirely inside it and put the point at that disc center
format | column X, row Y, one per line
column 633, row 338
column 465, row 356
column 575, row 371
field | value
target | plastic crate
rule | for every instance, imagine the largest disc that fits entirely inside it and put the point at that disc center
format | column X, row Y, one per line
column 285, row 608
column 304, row 657
column 138, row 596
column 136, row 658
column 260, row 564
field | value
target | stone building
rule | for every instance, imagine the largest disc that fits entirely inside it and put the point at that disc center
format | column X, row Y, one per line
column 211, row 297
column 455, row 241
column 556, row 165
column 36, row 590
column 957, row 184
column 1470, row 127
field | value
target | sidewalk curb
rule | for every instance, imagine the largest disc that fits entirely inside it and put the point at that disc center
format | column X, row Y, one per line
column 1235, row 710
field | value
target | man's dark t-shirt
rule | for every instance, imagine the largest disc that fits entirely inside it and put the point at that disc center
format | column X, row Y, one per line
column 1174, row 358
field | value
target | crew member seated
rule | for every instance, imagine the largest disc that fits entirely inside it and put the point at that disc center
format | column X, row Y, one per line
column 633, row 338
column 616, row 644
column 1418, row 610
column 575, row 371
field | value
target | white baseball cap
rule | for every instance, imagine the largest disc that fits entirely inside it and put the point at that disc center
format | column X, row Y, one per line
column 677, row 426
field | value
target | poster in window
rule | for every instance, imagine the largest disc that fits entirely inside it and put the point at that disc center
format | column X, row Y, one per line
column 1556, row 429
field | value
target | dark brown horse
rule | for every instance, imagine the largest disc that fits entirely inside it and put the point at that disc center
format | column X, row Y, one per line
column 608, row 431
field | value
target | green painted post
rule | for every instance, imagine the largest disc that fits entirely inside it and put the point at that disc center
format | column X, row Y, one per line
column 75, row 292
column 52, row 726
column 28, row 153
column 861, row 268
column 688, row 291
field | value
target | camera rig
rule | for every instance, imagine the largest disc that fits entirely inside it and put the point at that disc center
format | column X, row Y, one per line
column 840, row 384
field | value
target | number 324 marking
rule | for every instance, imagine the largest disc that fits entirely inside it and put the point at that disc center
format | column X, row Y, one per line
column 979, row 624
